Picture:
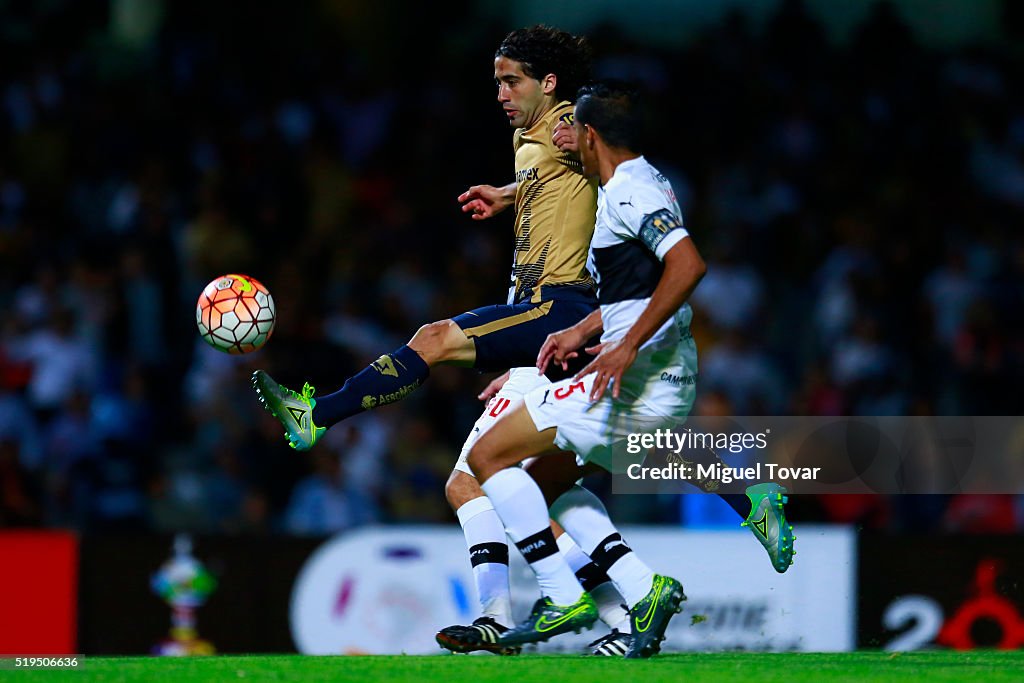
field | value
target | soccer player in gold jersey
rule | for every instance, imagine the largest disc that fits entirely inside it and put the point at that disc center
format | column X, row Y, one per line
column 537, row 70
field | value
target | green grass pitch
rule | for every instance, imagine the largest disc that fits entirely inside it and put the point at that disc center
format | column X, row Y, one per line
column 987, row 666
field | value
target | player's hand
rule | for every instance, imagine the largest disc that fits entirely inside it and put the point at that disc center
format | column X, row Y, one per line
column 613, row 359
column 564, row 137
column 493, row 388
column 485, row 201
column 559, row 348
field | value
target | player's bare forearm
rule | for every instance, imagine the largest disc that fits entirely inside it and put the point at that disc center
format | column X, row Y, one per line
column 487, row 201
column 590, row 325
column 684, row 268
column 494, row 387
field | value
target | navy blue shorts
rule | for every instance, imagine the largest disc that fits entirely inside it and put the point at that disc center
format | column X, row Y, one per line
column 510, row 335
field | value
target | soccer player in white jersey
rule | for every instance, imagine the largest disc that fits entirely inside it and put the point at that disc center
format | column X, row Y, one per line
column 646, row 267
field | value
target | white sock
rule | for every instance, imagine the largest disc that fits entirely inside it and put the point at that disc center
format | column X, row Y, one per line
column 609, row 602
column 488, row 553
column 611, row 606
column 520, row 504
column 584, row 517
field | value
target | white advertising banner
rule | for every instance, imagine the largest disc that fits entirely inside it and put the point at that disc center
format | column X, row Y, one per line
column 387, row 590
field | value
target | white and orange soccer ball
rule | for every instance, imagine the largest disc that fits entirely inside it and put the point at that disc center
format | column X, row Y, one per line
column 235, row 314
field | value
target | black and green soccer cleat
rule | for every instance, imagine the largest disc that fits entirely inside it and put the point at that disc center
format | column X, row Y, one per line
column 649, row 617
column 292, row 409
column 767, row 521
column 548, row 619
column 482, row 634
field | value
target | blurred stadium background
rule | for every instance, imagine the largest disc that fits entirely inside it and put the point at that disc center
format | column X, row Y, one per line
column 852, row 171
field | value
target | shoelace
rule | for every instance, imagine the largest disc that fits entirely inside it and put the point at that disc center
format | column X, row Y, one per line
column 607, row 638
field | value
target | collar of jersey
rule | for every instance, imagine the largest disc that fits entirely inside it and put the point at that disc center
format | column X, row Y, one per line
column 545, row 121
column 622, row 170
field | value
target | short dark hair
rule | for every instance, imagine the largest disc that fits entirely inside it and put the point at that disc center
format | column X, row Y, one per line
column 544, row 50
column 613, row 110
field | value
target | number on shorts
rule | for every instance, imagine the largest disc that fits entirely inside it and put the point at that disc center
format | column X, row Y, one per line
column 498, row 406
column 565, row 392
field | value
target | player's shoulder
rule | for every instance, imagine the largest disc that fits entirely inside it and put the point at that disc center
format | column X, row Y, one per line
column 563, row 113
column 643, row 173
column 560, row 113
column 518, row 136
column 543, row 129
column 634, row 180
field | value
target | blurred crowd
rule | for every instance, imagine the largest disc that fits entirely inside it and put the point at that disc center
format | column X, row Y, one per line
column 856, row 205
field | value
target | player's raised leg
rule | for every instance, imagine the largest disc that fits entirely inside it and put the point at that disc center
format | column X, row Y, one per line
column 294, row 410
column 767, row 521
column 762, row 509
column 386, row 380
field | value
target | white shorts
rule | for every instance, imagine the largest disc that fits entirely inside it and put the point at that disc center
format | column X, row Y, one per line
column 521, row 381
column 597, row 431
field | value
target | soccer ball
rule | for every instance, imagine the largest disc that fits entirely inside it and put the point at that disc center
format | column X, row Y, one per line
column 235, row 314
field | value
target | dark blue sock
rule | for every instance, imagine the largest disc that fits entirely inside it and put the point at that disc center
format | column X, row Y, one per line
column 390, row 378
column 737, row 501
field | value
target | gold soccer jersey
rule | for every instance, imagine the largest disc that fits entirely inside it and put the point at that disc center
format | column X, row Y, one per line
column 555, row 209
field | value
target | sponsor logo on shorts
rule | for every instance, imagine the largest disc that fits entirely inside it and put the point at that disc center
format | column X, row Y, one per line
column 678, row 380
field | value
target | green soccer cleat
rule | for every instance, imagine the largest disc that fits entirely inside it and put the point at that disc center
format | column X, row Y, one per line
column 294, row 410
column 767, row 521
column 649, row 617
column 548, row 619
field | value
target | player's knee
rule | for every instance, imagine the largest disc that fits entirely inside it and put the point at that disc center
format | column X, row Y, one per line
column 460, row 489
column 439, row 342
column 485, row 459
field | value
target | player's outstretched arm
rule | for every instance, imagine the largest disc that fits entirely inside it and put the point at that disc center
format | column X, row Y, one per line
column 561, row 347
column 487, row 201
column 684, row 268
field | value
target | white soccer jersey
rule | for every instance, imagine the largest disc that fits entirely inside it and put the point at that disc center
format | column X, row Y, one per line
column 638, row 221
